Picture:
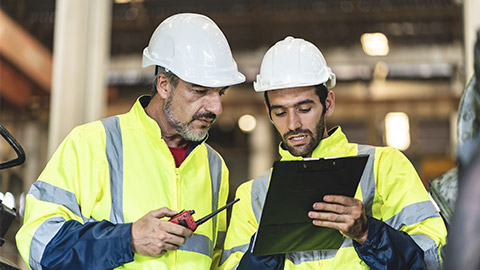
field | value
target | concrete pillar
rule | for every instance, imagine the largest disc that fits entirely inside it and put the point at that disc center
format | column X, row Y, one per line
column 260, row 148
column 35, row 136
column 80, row 60
column 471, row 22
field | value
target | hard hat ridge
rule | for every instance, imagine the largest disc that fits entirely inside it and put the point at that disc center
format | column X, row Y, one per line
column 293, row 62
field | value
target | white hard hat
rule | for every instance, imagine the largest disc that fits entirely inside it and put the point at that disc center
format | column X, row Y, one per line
column 193, row 47
column 293, row 62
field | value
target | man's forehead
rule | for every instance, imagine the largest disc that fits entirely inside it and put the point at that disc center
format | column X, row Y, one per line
column 292, row 95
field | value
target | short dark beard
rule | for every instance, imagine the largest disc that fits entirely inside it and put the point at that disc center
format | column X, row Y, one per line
column 306, row 150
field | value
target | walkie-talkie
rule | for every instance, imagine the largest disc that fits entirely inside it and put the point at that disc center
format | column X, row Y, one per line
column 185, row 218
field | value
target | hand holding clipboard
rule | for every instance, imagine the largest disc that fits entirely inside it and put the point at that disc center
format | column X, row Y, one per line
column 294, row 187
column 342, row 213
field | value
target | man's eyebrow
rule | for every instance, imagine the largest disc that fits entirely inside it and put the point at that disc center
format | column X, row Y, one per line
column 201, row 86
column 197, row 86
column 273, row 107
column 306, row 101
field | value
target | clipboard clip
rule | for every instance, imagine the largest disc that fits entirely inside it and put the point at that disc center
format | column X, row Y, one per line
column 304, row 165
column 316, row 158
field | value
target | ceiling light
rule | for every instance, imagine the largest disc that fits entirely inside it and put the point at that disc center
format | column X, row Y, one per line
column 126, row 1
column 247, row 123
column 397, row 130
column 375, row 44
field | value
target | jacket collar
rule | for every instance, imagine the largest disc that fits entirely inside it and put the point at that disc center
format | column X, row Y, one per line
column 149, row 124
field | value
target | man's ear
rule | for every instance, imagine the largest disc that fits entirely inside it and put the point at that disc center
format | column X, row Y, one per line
column 330, row 103
column 162, row 85
column 268, row 111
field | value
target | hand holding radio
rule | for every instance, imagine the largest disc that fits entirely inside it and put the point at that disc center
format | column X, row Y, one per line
column 152, row 236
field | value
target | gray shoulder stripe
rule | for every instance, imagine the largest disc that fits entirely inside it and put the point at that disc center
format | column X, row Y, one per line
column 220, row 240
column 42, row 236
column 367, row 182
column 429, row 247
column 259, row 193
column 316, row 255
column 200, row 244
column 215, row 168
column 114, row 152
column 303, row 256
column 46, row 192
column 424, row 241
column 227, row 252
column 412, row 214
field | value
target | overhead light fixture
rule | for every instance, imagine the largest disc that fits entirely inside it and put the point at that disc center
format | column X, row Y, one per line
column 375, row 44
column 126, row 1
column 397, row 130
column 247, row 123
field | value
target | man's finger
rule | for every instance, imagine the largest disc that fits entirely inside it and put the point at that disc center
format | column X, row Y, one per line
column 163, row 212
column 331, row 207
column 326, row 216
column 176, row 229
column 339, row 199
column 328, row 224
column 175, row 240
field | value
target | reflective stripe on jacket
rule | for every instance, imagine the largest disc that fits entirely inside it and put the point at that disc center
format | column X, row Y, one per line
column 390, row 189
column 118, row 169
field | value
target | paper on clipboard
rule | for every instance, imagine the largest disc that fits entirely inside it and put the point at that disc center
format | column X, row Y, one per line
column 294, row 186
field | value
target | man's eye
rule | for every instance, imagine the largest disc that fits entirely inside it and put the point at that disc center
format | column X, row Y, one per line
column 201, row 92
column 305, row 110
column 279, row 114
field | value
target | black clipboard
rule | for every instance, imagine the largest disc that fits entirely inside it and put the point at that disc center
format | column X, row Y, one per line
column 294, row 187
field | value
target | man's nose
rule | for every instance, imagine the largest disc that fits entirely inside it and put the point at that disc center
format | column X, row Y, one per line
column 214, row 103
column 294, row 121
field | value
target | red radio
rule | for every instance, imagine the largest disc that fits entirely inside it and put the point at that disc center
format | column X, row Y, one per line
column 185, row 218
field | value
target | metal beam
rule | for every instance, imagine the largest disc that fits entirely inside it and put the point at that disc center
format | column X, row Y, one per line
column 14, row 87
column 25, row 52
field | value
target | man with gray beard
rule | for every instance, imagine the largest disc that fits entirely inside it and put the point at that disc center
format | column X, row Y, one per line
column 105, row 197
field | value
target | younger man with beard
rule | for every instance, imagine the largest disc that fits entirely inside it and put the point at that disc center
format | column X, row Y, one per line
column 106, row 195
column 390, row 224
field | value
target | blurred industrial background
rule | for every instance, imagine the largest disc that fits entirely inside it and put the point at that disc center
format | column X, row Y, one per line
column 401, row 67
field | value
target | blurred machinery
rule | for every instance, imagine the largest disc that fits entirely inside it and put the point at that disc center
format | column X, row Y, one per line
column 464, row 234
column 444, row 189
column 460, row 207
column 7, row 207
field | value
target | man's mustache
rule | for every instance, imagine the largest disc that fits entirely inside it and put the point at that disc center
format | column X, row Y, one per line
column 204, row 115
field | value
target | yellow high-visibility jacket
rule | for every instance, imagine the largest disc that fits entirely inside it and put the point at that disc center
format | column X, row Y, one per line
column 389, row 188
column 108, row 174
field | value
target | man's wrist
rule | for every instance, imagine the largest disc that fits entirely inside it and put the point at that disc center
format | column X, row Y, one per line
column 363, row 238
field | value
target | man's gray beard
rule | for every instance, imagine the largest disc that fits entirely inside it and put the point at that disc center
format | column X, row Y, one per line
column 184, row 129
